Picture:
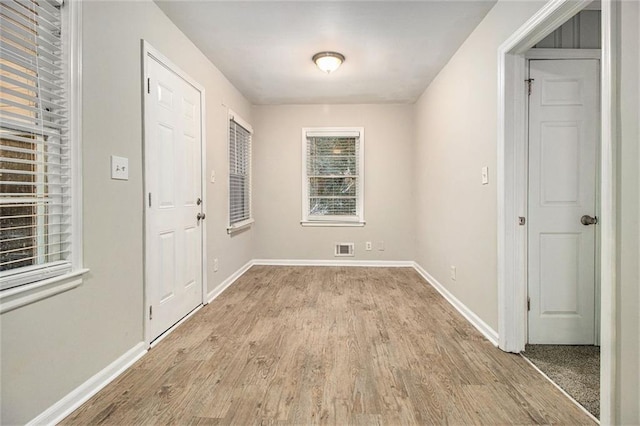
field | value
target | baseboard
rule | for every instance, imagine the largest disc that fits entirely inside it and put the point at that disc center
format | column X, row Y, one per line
column 230, row 280
column 61, row 409
column 336, row 262
column 475, row 320
column 82, row 393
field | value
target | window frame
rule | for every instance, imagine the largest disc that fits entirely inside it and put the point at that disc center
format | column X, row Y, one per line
column 29, row 284
column 240, row 225
column 357, row 220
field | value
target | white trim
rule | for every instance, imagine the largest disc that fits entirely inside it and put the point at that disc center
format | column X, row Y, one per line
column 358, row 219
column 149, row 51
column 535, row 367
column 203, row 194
column 74, row 22
column 240, row 226
column 608, row 204
column 241, row 121
column 230, row 280
column 511, row 184
column 328, row 223
column 74, row 399
column 336, row 262
column 563, row 54
column 475, row 320
column 27, row 294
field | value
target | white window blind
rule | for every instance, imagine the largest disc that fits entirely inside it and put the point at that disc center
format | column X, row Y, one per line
column 333, row 181
column 239, row 173
column 35, row 180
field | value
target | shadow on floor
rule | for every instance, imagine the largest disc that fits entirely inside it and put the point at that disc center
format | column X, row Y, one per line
column 576, row 369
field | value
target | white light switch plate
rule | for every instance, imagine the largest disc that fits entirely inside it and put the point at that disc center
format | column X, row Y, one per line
column 485, row 175
column 119, row 168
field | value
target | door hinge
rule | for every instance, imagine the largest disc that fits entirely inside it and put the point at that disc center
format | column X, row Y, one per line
column 148, row 85
column 529, row 82
column 149, row 199
column 528, row 304
column 150, row 312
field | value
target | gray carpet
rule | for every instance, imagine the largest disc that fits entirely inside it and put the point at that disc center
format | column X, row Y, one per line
column 576, row 369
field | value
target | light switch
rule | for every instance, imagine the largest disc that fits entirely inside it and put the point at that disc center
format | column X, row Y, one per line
column 485, row 175
column 213, row 176
column 119, row 168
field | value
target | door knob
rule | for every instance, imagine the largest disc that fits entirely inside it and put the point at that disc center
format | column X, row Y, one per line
column 200, row 216
column 588, row 220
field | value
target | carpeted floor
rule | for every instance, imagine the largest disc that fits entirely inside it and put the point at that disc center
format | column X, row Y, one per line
column 576, row 369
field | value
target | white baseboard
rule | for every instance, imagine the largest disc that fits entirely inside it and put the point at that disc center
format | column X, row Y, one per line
column 475, row 320
column 61, row 409
column 336, row 262
column 82, row 393
column 230, row 280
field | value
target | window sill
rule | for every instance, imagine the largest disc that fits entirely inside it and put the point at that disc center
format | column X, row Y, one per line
column 23, row 295
column 331, row 223
column 237, row 227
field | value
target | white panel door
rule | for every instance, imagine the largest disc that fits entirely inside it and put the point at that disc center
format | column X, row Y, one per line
column 563, row 139
column 173, row 201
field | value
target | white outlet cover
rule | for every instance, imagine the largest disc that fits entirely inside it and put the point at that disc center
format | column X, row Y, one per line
column 119, row 168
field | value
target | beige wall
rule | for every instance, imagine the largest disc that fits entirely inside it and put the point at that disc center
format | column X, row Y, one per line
column 423, row 196
column 52, row 346
column 456, row 216
column 628, row 329
column 278, row 182
column 456, row 131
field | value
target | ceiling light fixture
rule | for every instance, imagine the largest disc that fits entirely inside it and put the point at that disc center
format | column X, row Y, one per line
column 328, row 61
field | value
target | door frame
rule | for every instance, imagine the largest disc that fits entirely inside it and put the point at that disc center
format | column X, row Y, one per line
column 150, row 53
column 567, row 54
column 512, row 184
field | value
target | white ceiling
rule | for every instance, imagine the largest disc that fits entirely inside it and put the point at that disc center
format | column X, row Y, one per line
column 393, row 49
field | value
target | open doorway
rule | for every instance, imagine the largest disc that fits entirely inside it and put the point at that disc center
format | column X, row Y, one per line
column 514, row 259
column 563, row 144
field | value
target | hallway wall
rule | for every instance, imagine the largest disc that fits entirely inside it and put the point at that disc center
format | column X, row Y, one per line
column 456, row 132
column 51, row 347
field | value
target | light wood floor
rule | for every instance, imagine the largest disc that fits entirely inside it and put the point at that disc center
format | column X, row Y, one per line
column 309, row 345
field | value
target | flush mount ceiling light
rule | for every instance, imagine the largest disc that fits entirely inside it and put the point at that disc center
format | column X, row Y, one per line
column 328, row 61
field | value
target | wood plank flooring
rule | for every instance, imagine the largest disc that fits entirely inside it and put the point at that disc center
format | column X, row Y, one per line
column 328, row 345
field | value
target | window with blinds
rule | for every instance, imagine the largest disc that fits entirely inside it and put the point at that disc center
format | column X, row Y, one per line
column 35, row 210
column 333, row 178
column 239, row 173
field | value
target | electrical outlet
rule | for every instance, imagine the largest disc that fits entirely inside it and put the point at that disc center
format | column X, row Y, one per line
column 381, row 245
column 453, row 272
column 367, row 246
column 215, row 265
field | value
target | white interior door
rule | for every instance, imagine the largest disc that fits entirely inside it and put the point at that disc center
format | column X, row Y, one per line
column 563, row 139
column 173, row 183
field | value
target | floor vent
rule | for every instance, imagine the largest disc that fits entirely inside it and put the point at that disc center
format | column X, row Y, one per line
column 344, row 249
